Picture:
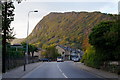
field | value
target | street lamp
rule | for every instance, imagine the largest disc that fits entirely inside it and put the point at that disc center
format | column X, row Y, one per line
column 26, row 55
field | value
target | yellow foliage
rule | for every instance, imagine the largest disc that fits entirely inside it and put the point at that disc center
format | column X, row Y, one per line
column 86, row 44
column 37, row 43
column 43, row 53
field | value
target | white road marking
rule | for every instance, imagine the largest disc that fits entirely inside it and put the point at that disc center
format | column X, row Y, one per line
column 59, row 68
column 64, row 75
column 61, row 71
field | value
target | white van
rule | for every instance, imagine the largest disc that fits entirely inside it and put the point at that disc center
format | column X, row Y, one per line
column 59, row 59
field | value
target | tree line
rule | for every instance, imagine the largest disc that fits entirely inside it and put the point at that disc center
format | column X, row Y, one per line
column 104, row 44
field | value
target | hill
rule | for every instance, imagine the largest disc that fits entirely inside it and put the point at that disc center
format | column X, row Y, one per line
column 69, row 28
column 17, row 41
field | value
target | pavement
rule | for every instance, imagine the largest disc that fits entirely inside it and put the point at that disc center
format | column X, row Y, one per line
column 101, row 73
column 65, row 69
column 0, row 76
column 19, row 72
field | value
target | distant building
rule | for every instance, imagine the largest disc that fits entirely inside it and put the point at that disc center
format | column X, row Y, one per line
column 35, row 54
column 64, row 53
column 60, row 50
column 39, row 53
column 68, row 53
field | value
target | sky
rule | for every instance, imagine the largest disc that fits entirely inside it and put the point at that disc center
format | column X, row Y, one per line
column 45, row 7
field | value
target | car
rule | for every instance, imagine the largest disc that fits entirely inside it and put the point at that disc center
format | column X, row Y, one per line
column 76, row 59
column 72, row 58
column 44, row 60
column 59, row 59
column 40, row 59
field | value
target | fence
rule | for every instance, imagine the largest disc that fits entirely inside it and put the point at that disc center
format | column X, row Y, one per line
column 15, row 57
column 112, row 66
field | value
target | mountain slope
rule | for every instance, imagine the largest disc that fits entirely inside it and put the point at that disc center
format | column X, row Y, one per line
column 70, row 28
column 17, row 41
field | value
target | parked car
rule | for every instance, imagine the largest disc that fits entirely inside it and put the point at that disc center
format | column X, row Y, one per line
column 59, row 59
column 76, row 59
column 44, row 60
column 40, row 59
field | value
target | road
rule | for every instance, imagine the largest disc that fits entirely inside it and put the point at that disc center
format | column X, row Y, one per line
column 66, row 69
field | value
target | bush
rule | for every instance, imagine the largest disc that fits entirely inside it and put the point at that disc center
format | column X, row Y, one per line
column 105, row 41
column 105, row 37
column 90, row 58
column 50, row 52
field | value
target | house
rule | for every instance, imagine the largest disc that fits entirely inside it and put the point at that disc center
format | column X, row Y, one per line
column 68, row 53
column 60, row 50
column 64, row 53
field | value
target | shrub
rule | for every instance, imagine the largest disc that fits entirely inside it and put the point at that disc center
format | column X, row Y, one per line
column 105, row 37
column 90, row 58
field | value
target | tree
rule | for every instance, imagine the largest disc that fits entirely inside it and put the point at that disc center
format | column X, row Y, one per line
column 7, row 31
column 7, row 17
column 31, row 48
column 105, row 37
column 50, row 52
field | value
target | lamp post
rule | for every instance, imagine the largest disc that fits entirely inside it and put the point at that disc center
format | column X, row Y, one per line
column 26, row 55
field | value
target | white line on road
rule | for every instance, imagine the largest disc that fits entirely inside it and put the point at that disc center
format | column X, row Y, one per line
column 61, row 71
column 59, row 68
column 64, row 75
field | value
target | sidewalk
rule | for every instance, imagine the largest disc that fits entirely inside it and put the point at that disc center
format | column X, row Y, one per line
column 0, row 76
column 18, row 72
column 100, row 73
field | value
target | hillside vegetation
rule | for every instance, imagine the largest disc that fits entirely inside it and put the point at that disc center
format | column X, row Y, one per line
column 69, row 29
column 17, row 41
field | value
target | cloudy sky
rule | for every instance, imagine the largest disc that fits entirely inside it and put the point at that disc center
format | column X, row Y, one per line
column 47, row 6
